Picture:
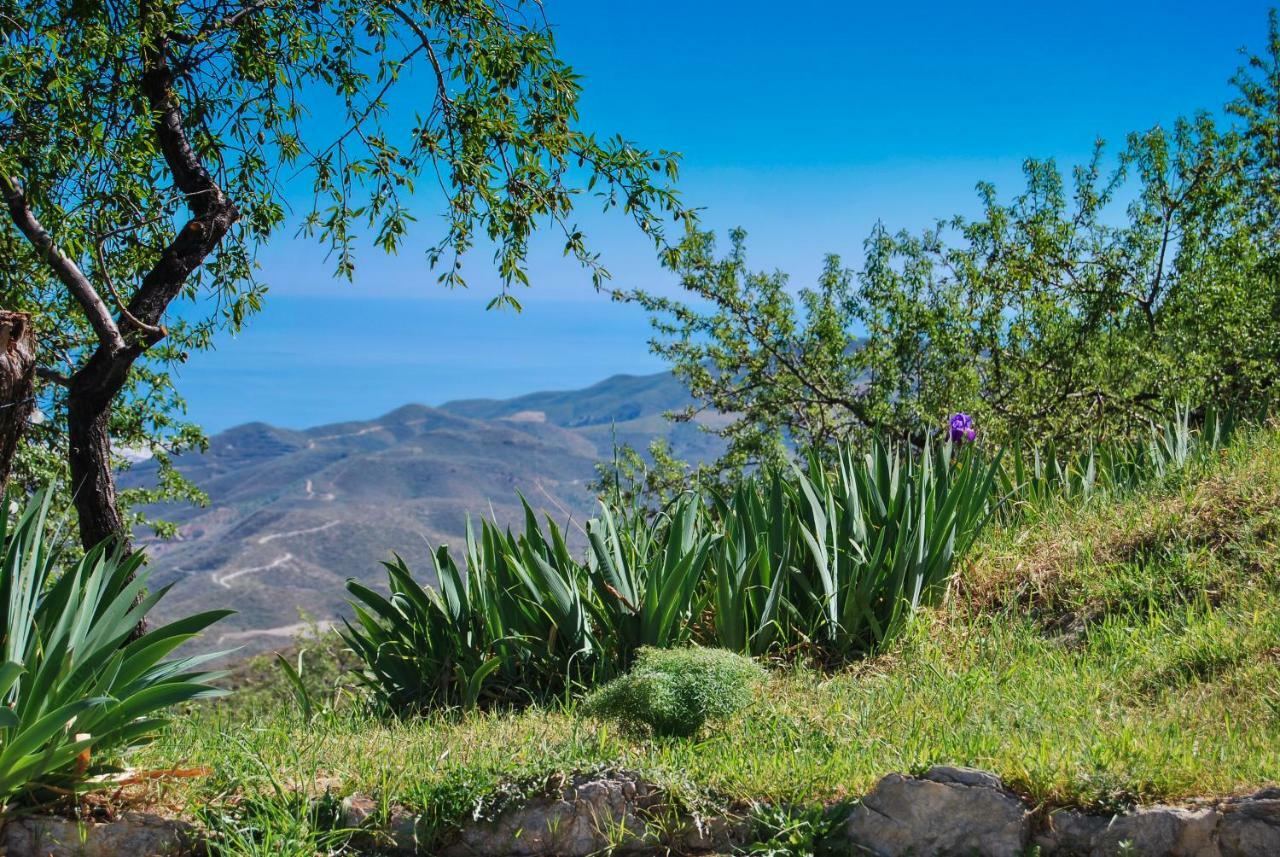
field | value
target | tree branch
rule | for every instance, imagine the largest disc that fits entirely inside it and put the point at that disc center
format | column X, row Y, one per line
column 111, row 286
column 65, row 268
column 98, row 381
column 442, row 86
column 224, row 23
column 53, row 376
column 212, row 212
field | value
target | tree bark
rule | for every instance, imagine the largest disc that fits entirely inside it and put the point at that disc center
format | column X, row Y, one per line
column 92, row 482
column 17, row 386
column 93, row 485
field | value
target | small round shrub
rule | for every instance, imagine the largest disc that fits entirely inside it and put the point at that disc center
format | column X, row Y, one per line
column 674, row 692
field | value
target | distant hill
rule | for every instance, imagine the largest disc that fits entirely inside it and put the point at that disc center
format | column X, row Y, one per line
column 618, row 399
column 293, row 514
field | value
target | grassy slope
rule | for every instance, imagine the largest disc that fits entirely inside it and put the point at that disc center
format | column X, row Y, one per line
column 1098, row 655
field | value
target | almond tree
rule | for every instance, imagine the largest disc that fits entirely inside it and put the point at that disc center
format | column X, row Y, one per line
column 1086, row 304
column 148, row 148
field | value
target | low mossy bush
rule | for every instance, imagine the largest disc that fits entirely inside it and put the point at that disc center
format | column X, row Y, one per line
column 676, row 692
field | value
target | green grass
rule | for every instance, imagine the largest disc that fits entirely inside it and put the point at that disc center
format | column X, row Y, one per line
column 1096, row 655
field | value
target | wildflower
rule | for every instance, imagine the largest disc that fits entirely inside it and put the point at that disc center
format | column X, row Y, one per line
column 960, row 428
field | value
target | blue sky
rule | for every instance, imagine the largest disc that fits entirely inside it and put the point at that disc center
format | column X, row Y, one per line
column 803, row 122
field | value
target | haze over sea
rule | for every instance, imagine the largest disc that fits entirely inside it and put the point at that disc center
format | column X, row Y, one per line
column 312, row 360
column 805, row 132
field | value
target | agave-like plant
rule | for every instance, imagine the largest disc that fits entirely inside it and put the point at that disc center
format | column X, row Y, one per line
column 646, row 573
column 555, row 588
column 830, row 560
column 1175, row 443
column 512, row 624
column 883, row 531
column 421, row 646
column 1034, row 476
column 71, row 682
column 752, row 563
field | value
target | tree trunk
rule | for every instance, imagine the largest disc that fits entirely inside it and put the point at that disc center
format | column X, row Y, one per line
column 17, row 385
column 121, row 341
column 92, row 482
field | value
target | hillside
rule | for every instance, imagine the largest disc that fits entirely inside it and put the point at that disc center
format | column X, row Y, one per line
column 293, row 514
column 1095, row 655
column 629, row 408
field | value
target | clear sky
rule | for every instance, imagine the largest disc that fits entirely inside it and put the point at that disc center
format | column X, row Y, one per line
column 804, row 122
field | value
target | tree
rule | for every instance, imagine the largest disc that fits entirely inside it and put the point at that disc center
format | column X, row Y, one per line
column 149, row 148
column 17, row 386
column 1084, row 306
column 785, row 366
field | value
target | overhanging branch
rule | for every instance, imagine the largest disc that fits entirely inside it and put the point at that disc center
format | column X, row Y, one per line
column 224, row 23
column 64, row 268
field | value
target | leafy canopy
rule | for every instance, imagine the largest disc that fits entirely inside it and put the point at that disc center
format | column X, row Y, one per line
column 344, row 112
column 1086, row 306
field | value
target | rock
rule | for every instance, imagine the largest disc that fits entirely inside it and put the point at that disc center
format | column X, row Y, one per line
column 1070, row 832
column 398, row 832
column 1240, row 827
column 136, row 834
column 964, row 777
column 709, row 835
column 357, row 810
column 1162, row 830
column 959, row 811
column 585, row 814
column 948, row 811
column 1250, row 825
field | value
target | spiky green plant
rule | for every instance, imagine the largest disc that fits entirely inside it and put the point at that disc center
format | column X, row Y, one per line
column 883, row 531
column 753, row 562
column 421, row 646
column 69, row 681
column 828, row 561
column 646, row 575
column 1034, row 477
column 509, row 626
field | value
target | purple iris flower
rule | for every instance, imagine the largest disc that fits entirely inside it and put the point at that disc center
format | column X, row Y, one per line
column 960, row 428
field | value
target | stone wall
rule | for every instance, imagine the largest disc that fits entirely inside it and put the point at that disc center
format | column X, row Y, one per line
column 947, row 811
